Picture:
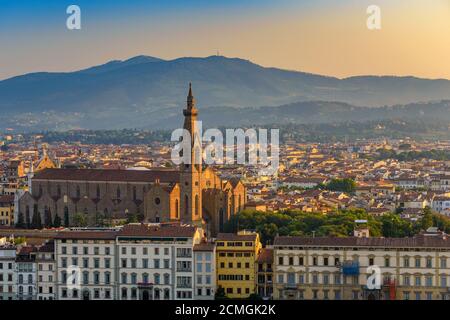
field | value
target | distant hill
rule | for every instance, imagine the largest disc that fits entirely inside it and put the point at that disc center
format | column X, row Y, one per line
column 143, row 90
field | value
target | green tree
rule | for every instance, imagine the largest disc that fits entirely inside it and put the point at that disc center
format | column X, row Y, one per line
column 132, row 218
column 36, row 220
column 20, row 221
column 344, row 185
column 427, row 219
column 79, row 220
column 57, row 221
column 220, row 294
column 66, row 219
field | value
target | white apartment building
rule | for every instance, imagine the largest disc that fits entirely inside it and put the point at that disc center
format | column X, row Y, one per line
column 337, row 268
column 8, row 279
column 441, row 204
column 86, row 265
column 26, row 273
column 204, row 271
column 156, row 262
column 46, row 272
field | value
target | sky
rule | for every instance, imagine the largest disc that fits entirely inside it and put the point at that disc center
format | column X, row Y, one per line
column 328, row 37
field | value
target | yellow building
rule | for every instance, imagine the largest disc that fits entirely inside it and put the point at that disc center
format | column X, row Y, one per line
column 6, row 210
column 236, row 263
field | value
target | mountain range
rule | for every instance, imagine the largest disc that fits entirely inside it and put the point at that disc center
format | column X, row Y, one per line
column 145, row 91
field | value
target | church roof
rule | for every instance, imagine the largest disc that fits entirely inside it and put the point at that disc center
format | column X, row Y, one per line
column 164, row 175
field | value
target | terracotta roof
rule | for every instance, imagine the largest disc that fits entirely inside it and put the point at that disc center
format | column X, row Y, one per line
column 87, row 235
column 418, row 241
column 204, row 247
column 164, row 175
column 6, row 198
column 236, row 237
column 162, row 231
column 265, row 256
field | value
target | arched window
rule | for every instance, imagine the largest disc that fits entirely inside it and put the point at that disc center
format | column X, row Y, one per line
column 186, row 205
column 177, row 212
column 20, row 278
column 124, row 293
column 145, row 278
column 58, row 191
column 98, row 192
column 30, row 279
column 134, row 193
column 166, row 278
column 196, row 208
column 157, row 294
column 166, row 294
column 78, row 192
column 118, row 193
column 157, row 278
column 239, row 203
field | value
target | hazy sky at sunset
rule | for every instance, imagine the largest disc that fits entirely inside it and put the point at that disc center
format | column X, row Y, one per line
column 319, row 36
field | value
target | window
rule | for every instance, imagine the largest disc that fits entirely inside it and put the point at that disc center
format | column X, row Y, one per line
column 325, row 261
column 418, row 281
column 280, row 261
column 406, row 262
column 417, row 262
column 429, row 281
column 291, row 261
column 96, row 277
column 387, row 262
column 166, row 278
column 85, row 277
column 124, row 293
column 300, row 261
column 429, row 262
column 443, row 281
column 443, row 262
column 371, row 261
column 314, row 261
column 124, row 278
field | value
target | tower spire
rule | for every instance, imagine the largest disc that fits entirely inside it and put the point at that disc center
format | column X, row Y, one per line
column 190, row 98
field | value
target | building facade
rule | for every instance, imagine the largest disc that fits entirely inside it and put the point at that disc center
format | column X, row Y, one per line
column 236, row 256
column 85, row 265
column 8, row 272
column 340, row 268
column 205, row 271
column 46, row 272
column 156, row 263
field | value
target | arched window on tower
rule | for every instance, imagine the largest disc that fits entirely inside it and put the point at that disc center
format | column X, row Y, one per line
column 239, row 203
column 186, row 205
column 177, row 207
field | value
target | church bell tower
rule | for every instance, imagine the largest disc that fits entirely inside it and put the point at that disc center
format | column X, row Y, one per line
column 191, row 173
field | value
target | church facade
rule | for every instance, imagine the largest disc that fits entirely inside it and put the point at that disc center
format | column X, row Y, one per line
column 191, row 194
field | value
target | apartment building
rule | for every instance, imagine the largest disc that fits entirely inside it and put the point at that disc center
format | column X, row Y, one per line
column 8, row 286
column 156, row 262
column 6, row 210
column 341, row 268
column 441, row 204
column 85, row 264
column 26, row 273
column 236, row 256
column 46, row 272
column 264, row 273
column 205, row 271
